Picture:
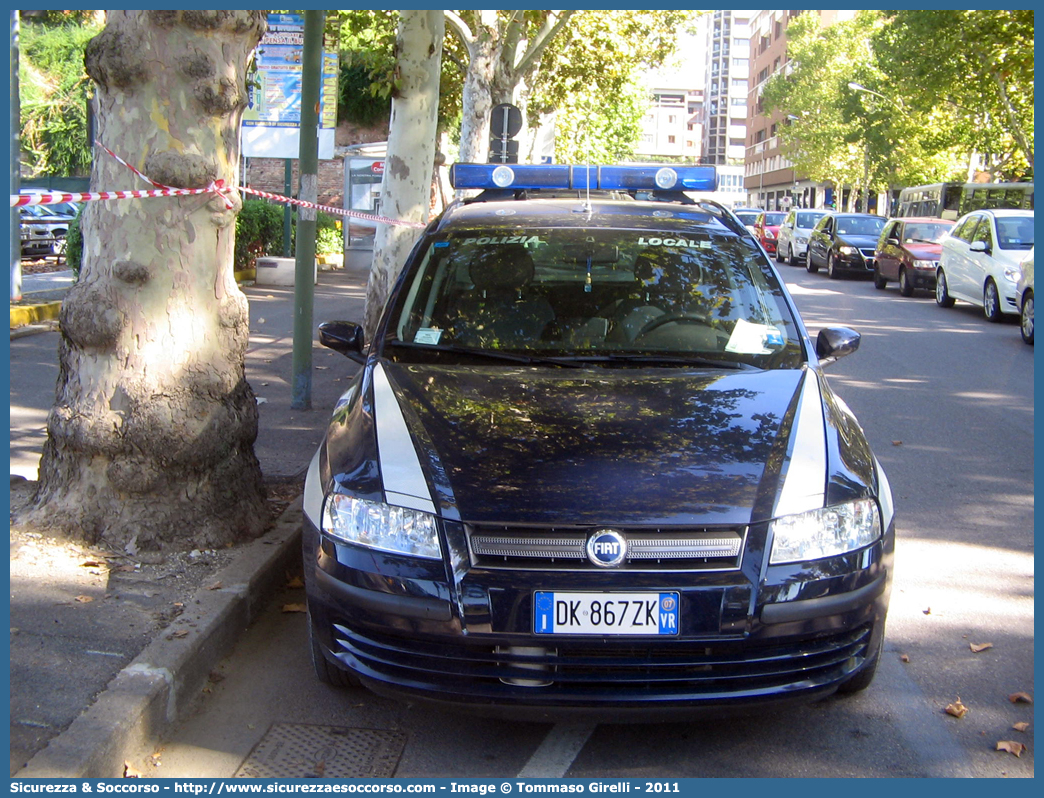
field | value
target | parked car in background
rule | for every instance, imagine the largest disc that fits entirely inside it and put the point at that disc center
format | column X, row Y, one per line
column 908, row 251
column 43, row 230
column 844, row 242
column 749, row 216
column 981, row 260
column 792, row 239
column 1024, row 297
column 766, row 228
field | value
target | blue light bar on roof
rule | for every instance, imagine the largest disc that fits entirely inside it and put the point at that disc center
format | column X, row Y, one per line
column 619, row 178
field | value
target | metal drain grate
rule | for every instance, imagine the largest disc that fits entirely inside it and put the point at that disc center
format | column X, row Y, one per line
column 301, row 751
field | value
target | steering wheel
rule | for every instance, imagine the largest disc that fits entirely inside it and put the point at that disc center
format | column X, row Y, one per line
column 674, row 318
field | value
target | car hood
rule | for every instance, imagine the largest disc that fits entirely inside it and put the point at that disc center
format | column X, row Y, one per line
column 539, row 445
column 861, row 242
column 923, row 251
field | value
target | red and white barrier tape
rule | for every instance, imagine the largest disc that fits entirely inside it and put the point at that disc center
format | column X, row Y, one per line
column 218, row 186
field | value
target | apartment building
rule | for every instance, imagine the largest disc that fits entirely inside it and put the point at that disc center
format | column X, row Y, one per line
column 727, row 64
column 672, row 127
column 769, row 177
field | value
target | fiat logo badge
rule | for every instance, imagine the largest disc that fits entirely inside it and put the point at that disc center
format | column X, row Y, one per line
column 606, row 548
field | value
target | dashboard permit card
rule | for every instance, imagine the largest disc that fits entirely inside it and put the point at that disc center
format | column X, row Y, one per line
column 605, row 613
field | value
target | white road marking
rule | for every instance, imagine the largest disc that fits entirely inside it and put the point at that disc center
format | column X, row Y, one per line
column 555, row 755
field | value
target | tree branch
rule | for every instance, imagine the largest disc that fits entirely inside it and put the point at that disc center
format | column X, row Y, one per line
column 1013, row 120
column 460, row 29
column 552, row 27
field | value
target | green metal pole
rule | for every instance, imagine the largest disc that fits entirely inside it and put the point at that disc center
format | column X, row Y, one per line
column 304, row 273
column 16, row 160
column 288, row 213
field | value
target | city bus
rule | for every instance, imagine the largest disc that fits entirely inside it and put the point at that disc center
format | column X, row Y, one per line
column 953, row 200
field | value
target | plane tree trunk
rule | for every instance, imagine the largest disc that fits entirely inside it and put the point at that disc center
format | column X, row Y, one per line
column 150, row 439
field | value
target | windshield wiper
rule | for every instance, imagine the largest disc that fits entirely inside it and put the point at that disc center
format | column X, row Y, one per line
column 492, row 354
column 671, row 360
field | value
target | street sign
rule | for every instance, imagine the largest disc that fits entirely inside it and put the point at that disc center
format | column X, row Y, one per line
column 505, row 120
column 503, row 151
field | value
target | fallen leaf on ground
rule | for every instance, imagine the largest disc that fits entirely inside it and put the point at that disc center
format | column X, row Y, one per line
column 977, row 647
column 295, row 582
column 927, row 611
column 1020, row 726
column 904, row 657
column 84, row 599
column 1017, row 698
column 957, row 709
column 90, row 564
column 215, row 586
column 129, row 772
column 179, row 634
column 1011, row 746
column 295, row 608
column 897, row 443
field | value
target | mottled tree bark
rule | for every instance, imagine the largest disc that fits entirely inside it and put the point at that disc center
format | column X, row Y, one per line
column 150, row 440
column 406, row 185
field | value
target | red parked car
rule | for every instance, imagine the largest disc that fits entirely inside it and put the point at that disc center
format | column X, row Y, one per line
column 908, row 251
column 766, row 228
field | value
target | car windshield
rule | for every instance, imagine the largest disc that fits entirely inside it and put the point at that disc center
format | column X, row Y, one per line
column 775, row 219
column 808, row 219
column 1015, row 233
column 925, row 232
column 596, row 296
column 747, row 217
column 859, row 225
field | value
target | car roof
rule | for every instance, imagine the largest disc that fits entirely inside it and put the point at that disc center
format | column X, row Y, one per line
column 922, row 219
column 559, row 212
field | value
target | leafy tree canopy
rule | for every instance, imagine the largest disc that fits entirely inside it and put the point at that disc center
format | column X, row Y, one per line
column 54, row 90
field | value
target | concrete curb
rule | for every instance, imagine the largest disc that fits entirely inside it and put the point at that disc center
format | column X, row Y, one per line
column 23, row 315
column 154, row 691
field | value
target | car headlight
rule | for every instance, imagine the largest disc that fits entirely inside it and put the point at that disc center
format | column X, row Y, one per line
column 769, row 234
column 800, row 238
column 1012, row 273
column 826, row 532
column 846, row 250
column 925, row 264
column 380, row 526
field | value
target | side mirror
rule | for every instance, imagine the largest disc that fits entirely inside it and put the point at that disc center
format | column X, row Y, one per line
column 979, row 246
column 834, row 343
column 345, row 337
column 893, row 241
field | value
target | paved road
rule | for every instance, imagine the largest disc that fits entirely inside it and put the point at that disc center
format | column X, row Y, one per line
column 947, row 402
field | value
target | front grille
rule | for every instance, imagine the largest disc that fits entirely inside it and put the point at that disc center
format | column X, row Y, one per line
column 566, row 549
column 615, row 670
column 868, row 257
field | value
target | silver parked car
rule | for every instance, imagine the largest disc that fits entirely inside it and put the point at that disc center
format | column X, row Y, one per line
column 1024, row 297
column 792, row 239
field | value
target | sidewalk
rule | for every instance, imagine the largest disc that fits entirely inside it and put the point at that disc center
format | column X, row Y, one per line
column 106, row 648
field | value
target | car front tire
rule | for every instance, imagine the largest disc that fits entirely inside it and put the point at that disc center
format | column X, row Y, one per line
column 810, row 266
column 1026, row 318
column 942, row 293
column 991, row 302
column 325, row 671
column 905, row 286
column 832, row 271
column 879, row 281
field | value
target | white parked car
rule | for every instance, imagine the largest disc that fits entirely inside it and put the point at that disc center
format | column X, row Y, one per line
column 1024, row 296
column 792, row 238
column 980, row 260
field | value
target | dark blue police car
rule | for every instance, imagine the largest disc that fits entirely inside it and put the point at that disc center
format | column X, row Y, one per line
column 591, row 463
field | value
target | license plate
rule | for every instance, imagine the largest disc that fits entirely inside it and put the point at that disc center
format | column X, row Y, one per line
column 605, row 613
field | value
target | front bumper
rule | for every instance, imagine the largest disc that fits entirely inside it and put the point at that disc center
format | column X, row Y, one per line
column 463, row 637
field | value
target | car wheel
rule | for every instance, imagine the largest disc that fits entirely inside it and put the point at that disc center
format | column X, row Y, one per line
column 326, row 671
column 942, row 293
column 905, row 286
column 810, row 267
column 879, row 281
column 991, row 302
column 779, row 254
column 832, row 271
column 1027, row 317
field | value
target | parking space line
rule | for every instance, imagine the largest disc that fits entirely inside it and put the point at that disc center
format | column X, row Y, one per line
column 556, row 753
